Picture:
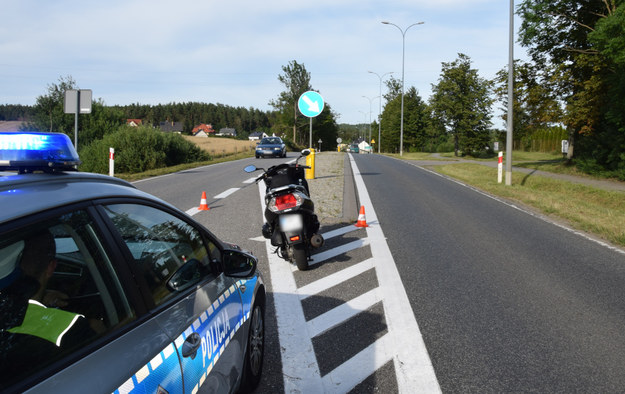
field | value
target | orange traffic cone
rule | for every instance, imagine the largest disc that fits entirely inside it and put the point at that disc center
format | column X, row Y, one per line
column 203, row 205
column 362, row 222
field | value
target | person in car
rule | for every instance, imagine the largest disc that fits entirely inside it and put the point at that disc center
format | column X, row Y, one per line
column 30, row 331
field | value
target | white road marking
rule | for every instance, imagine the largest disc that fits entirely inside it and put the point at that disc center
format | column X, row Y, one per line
column 343, row 312
column 227, row 192
column 352, row 372
column 340, row 231
column 402, row 344
column 339, row 250
column 543, row 218
column 413, row 366
column 251, row 180
column 299, row 365
column 334, row 279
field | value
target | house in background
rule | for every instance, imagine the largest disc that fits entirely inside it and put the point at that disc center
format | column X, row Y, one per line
column 203, row 130
column 171, row 127
column 257, row 135
column 134, row 122
column 229, row 132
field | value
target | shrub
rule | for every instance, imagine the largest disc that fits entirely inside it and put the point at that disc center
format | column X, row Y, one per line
column 445, row 147
column 139, row 149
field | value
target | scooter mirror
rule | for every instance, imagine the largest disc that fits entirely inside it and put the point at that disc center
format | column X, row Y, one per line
column 305, row 152
column 250, row 168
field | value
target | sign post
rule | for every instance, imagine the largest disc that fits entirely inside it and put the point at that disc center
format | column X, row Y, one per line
column 77, row 102
column 310, row 104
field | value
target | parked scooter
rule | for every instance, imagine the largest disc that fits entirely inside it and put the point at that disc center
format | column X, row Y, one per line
column 291, row 223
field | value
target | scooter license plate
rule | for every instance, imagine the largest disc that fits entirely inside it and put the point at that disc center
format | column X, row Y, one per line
column 291, row 222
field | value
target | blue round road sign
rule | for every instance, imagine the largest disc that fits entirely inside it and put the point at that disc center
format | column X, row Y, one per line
column 310, row 104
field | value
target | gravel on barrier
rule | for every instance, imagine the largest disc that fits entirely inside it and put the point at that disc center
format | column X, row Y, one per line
column 328, row 188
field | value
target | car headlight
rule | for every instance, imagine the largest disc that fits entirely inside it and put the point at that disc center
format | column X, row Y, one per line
column 277, row 148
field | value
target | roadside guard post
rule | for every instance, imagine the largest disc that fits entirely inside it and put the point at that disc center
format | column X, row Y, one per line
column 310, row 162
column 111, row 162
column 500, row 168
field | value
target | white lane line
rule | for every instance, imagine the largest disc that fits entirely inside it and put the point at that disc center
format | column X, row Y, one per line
column 192, row 211
column 339, row 250
column 299, row 364
column 227, row 192
column 329, row 281
column 413, row 367
column 352, row 372
column 343, row 312
column 537, row 216
column 251, row 180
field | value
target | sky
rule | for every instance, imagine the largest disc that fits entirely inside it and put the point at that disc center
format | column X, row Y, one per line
column 232, row 52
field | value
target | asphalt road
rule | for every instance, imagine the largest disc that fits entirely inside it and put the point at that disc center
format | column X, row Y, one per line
column 506, row 301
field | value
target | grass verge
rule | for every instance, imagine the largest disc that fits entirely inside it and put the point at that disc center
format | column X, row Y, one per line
column 592, row 210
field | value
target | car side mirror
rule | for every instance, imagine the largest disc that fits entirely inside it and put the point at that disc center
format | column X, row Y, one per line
column 238, row 264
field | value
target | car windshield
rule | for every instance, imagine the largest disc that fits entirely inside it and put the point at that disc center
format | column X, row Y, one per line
column 271, row 141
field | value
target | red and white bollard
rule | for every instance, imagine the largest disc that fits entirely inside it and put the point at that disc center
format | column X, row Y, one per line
column 500, row 168
column 111, row 162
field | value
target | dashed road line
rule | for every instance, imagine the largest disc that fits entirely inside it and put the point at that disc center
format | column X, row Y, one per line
column 227, row 192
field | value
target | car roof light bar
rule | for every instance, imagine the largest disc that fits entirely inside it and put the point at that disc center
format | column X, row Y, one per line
column 37, row 151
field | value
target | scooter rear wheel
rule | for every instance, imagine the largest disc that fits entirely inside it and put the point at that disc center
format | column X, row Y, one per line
column 299, row 254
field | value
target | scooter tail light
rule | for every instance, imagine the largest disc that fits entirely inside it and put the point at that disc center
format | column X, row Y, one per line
column 284, row 202
column 295, row 238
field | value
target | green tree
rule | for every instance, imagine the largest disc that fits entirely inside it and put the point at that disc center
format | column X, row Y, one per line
column 535, row 105
column 556, row 34
column 325, row 129
column 461, row 102
column 101, row 121
column 297, row 81
column 393, row 87
column 416, row 120
column 49, row 114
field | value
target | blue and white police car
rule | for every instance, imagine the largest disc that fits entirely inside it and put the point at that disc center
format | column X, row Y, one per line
column 107, row 289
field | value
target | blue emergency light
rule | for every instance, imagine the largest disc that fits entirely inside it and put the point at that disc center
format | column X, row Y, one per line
column 31, row 151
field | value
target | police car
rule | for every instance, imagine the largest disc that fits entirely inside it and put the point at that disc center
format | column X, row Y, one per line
column 107, row 289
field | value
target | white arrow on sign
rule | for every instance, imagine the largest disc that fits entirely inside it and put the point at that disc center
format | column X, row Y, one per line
column 313, row 106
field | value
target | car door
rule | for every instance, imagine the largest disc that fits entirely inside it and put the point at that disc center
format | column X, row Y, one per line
column 178, row 268
column 111, row 347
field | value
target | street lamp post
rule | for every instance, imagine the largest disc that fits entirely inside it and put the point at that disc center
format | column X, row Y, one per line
column 380, row 109
column 510, row 97
column 403, row 55
column 370, row 101
column 365, row 122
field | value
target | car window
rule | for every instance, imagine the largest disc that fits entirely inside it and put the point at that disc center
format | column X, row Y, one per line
column 169, row 254
column 58, row 293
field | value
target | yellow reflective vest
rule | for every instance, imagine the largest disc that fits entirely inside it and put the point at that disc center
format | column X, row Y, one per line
column 46, row 323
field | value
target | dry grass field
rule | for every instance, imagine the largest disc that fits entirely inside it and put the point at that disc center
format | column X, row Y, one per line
column 218, row 146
